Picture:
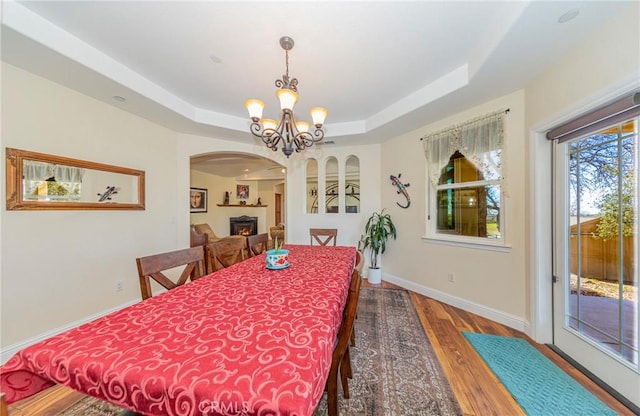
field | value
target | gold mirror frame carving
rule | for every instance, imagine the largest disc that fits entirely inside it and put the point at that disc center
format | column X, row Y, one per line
column 14, row 163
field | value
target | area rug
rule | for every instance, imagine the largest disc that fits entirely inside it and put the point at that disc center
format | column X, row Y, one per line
column 396, row 372
column 534, row 381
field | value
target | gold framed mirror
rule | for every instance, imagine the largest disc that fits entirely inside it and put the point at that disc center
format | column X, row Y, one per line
column 39, row 181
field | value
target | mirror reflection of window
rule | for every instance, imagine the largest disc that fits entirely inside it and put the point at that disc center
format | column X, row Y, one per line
column 352, row 185
column 312, row 187
column 60, row 183
column 332, row 188
column 39, row 181
column 51, row 182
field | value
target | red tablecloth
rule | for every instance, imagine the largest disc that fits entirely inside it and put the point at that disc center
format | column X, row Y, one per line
column 244, row 340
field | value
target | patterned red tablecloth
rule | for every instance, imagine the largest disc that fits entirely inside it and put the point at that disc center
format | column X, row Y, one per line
column 244, row 340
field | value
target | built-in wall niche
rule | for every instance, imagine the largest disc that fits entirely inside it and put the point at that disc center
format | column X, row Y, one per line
column 332, row 188
column 312, row 186
column 352, row 185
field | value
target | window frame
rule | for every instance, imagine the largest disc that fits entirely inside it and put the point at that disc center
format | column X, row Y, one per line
column 432, row 234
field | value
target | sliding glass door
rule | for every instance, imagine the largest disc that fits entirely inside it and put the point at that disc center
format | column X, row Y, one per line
column 596, row 254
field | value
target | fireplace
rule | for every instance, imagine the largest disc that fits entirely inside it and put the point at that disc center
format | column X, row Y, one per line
column 243, row 225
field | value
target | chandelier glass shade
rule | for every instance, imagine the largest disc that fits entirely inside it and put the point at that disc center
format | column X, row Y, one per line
column 289, row 133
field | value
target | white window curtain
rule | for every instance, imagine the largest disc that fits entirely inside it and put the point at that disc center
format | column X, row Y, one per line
column 40, row 171
column 480, row 140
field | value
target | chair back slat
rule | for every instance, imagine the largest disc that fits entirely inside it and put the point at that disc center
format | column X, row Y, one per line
column 227, row 252
column 323, row 236
column 257, row 244
column 359, row 261
column 152, row 267
column 196, row 238
column 201, row 240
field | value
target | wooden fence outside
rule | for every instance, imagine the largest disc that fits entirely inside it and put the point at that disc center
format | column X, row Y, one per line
column 600, row 259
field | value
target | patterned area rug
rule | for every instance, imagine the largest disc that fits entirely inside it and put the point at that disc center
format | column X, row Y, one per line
column 396, row 372
column 92, row 407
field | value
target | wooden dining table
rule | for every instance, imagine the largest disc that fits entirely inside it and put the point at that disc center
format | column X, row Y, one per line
column 245, row 340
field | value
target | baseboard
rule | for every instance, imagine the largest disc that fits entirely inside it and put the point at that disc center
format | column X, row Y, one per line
column 509, row 320
column 9, row 351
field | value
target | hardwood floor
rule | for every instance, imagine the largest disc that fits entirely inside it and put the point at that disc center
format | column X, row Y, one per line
column 477, row 389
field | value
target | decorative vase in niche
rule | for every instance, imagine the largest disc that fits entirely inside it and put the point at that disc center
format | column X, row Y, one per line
column 277, row 259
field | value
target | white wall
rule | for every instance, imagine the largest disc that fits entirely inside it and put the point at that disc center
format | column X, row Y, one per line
column 513, row 287
column 351, row 225
column 604, row 66
column 488, row 282
column 61, row 266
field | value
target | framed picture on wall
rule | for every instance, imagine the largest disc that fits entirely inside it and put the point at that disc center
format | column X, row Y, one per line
column 242, row 191
column 198, row 200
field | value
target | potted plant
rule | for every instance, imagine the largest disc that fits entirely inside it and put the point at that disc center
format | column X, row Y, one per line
column 278, row 257
column 377, row 231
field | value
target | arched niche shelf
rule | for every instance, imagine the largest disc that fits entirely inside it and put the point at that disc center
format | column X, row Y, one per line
column 312, row 186
column 352, row 185
column 332, row 188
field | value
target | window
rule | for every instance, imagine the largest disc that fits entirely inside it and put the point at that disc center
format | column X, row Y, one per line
column 465, row 176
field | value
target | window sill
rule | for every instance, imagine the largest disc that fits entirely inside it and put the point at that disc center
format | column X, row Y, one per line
column 468, row 244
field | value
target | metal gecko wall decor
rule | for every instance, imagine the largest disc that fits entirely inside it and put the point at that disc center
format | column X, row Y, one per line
column 106, row 195
column 402, row 189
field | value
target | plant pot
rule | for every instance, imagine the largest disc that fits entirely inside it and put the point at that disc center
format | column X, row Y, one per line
column 375, row 275
column 277, row 259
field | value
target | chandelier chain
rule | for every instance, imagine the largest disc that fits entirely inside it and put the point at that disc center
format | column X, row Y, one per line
column 286, row 53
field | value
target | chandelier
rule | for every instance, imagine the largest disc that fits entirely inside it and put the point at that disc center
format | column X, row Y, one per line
column 290, row 133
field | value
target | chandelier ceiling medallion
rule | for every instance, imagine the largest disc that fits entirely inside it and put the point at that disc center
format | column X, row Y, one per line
column 292, row 134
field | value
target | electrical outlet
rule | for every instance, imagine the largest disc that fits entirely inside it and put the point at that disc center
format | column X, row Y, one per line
column 452, row 277
column 119, row 285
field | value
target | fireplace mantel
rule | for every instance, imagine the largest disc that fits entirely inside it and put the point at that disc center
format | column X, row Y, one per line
column 245, row 206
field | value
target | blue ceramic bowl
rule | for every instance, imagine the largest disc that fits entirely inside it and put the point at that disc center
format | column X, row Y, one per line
column 277, row 259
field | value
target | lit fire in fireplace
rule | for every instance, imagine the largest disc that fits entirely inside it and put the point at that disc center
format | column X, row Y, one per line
column 243, row 225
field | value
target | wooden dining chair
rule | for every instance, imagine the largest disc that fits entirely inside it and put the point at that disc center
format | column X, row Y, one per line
column 257, row 244
column 359, row 265
column 341, row 359
column 197, row 239
column 227, row 252
column 4, row 410
column 359, row 261
column 155, row 266
column 323, row 236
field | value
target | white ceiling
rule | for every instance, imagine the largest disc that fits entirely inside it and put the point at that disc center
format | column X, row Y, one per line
column 238, row 165
column 381, row 68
